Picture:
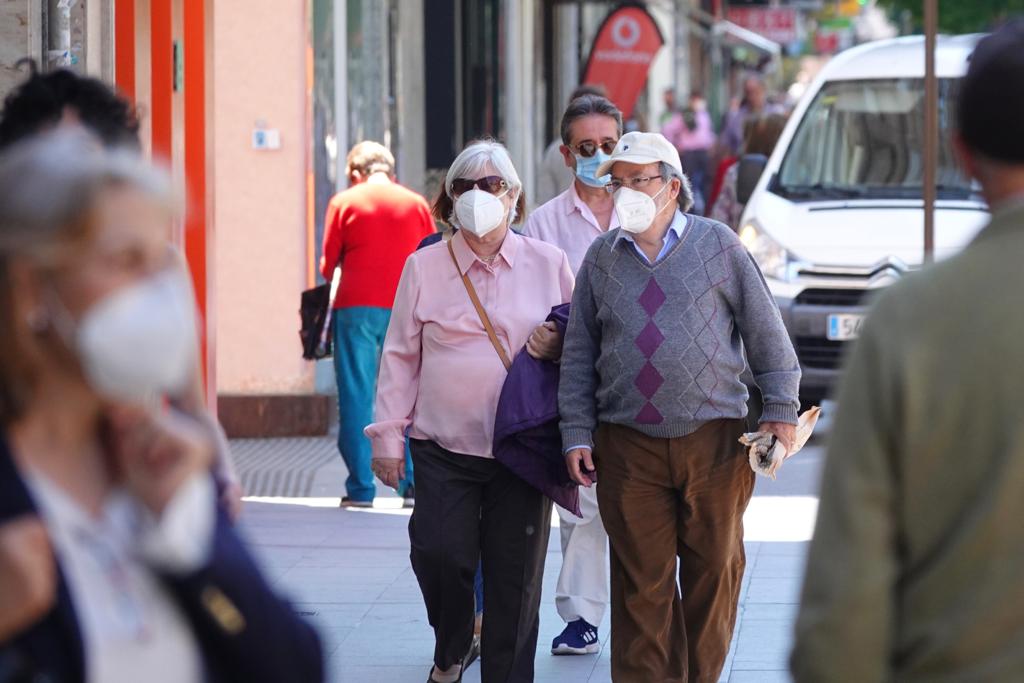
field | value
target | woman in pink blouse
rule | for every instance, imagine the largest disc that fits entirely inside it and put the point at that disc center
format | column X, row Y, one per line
column 440, row 378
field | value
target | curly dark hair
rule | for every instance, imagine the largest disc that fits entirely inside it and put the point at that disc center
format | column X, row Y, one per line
column 44, row 98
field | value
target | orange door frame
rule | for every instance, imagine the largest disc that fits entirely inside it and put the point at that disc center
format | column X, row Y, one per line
column 198, row 231
column 161, row 29
column 124, row 47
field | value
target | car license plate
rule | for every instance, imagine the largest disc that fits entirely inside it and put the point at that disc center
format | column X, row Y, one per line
column 844, row 326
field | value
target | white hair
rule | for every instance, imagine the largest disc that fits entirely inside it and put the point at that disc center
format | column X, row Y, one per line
column 685, row 188
column 471, row 162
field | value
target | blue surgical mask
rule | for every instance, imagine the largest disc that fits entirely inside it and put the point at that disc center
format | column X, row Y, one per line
column 586, row 169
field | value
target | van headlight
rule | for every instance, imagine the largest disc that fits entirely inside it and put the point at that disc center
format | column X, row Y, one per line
column 774, row 259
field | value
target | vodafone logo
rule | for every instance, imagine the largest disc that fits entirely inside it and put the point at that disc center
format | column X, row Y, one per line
column 625, row 32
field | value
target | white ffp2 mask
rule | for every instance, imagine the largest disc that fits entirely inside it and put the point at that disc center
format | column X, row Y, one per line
column 479, row 212
column 139, row 343
column 635, row 210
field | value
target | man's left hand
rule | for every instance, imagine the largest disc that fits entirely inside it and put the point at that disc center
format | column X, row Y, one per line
column 785, row 432
column 545, row 343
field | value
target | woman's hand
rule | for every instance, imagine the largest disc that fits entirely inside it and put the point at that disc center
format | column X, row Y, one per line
column 545, row 343
column 388, row 470
column 230, row 498
column 28, row 575
column 156, row 452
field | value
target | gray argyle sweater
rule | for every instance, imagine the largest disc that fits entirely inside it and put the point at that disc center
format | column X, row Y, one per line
column 657, row 347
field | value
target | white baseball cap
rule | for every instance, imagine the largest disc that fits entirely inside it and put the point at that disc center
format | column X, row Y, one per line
column 642, row 148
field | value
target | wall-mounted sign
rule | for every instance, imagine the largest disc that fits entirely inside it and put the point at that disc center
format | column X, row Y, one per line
column 623, row 50
column 777, row 24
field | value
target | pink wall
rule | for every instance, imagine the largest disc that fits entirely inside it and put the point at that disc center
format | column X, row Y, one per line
column 260, row 196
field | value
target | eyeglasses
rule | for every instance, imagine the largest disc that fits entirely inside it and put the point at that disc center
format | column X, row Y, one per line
column 632, row 183
column 587, row 149
column 492, row 183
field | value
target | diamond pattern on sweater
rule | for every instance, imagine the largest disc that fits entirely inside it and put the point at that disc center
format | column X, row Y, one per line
column 649, row 415
column 650, row 339
column 653, row 297
column 649, row 380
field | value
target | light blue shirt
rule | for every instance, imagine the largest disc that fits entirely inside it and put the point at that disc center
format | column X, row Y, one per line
column 672, row 236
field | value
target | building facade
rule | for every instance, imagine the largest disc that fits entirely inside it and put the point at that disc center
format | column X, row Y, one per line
column 254, row 103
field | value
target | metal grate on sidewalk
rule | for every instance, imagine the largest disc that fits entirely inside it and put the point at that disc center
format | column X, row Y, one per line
column 282, row 467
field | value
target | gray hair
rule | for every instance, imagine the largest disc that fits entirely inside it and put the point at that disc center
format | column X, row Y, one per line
column 667, row 173
column 585, row 106
column 472, row 160
column 50, row 182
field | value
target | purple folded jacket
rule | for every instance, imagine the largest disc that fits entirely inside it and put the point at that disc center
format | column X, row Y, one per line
column 526, row 435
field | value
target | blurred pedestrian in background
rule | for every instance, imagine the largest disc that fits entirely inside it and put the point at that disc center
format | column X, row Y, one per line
column 369, row 231
column 62, row 98
column 463, row 308
column 760, row 136
column 591, row 127
column 915, row 571
column 97, row 327
column 691, row 132
column 652, row 405
column 668, row 98
column 754, row 103
column 554, row 176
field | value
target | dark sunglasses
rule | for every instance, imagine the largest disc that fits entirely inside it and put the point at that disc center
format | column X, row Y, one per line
column 588, row 149
column 492, row 183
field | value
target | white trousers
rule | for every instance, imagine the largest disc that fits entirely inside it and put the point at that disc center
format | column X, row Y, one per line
column 582, row 589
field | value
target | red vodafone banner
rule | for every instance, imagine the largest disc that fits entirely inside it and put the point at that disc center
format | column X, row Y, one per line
column 623, row 51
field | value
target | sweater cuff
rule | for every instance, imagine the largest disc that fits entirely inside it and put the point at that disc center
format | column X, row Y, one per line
column 577, row 438
column 779, row 412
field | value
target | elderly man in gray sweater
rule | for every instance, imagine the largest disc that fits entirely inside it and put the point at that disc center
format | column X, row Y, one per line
column 652, row 403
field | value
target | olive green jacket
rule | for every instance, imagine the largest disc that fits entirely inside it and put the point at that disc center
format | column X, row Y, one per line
column 916, row 570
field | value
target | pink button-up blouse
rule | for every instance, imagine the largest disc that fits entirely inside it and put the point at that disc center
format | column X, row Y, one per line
column 440, row 377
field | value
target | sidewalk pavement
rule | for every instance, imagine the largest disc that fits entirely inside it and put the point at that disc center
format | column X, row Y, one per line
column 348, row 570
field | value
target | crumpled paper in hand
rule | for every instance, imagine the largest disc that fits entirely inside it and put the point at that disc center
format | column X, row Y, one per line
column 765, row 452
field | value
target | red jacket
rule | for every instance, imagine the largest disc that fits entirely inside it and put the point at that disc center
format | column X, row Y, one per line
column 371, row 229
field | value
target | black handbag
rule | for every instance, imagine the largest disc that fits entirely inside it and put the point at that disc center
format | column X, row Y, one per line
column 315, row 312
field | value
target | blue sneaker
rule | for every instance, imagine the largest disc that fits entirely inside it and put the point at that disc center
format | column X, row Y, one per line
column 578, row 638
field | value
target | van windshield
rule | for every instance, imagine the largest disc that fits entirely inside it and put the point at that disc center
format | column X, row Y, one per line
column 864, row 139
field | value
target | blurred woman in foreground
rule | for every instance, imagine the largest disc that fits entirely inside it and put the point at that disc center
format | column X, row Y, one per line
column 97, row 331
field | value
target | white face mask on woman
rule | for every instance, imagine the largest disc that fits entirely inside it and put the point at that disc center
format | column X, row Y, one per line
column 636, row 210
column 479, row 212
column 139, row 343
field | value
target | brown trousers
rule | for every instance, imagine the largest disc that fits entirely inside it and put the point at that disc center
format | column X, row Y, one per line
column 663, row 500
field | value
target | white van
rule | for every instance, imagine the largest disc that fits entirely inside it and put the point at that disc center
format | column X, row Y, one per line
column 837, row 212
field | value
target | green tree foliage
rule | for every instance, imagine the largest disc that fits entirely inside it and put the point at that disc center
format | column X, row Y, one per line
column 959, row 16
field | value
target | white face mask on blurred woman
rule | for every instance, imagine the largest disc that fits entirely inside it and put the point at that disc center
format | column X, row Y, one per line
column 138, row 343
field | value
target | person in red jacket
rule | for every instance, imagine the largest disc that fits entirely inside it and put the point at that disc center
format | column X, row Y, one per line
column 370, row 230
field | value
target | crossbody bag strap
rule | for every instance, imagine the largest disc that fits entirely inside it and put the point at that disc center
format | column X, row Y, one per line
column 484, row 319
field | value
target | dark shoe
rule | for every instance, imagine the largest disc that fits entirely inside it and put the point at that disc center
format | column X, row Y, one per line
column 471, row 656
column 578, row 638
column 347, row 502
column 431, row 679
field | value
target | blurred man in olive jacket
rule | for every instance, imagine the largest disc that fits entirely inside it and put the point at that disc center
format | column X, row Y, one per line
column 916, row 571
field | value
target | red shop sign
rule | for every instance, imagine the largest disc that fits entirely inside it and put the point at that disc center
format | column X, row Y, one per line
column 774, row 23
column 622, row 53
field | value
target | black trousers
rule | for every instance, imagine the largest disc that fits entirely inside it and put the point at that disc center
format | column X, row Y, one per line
column 468, row 508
